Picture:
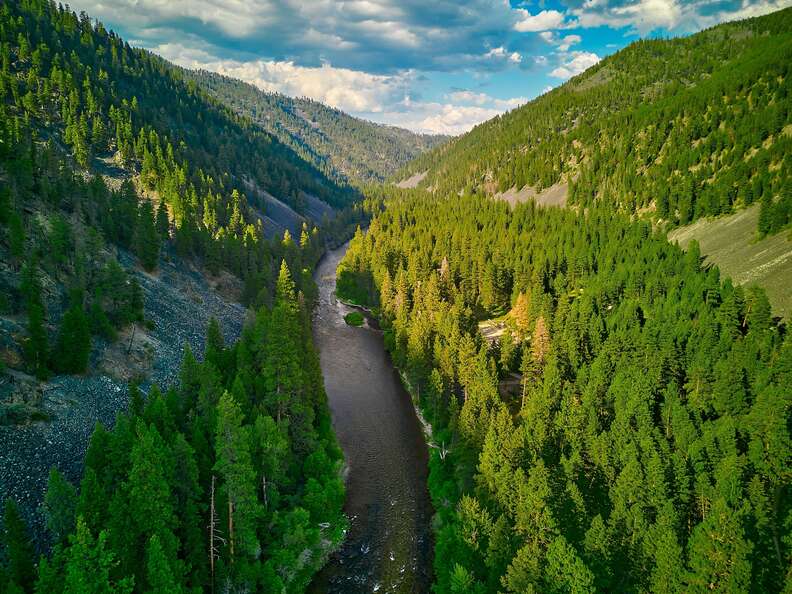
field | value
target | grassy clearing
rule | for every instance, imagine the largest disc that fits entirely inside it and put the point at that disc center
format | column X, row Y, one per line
column 731, row 243
column 354, row 318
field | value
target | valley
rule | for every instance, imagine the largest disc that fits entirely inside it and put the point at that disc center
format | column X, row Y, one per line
column 250, row 342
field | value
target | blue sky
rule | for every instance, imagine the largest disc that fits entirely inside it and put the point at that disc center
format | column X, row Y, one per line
column 429, row 65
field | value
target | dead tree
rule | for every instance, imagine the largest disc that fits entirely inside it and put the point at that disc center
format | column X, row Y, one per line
column 231, row 524
column 215, row 540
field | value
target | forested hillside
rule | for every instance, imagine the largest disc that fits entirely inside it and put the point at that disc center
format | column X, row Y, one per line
column 671, row 129
column 334, row 142
column 629, row 431
column 104, row 146
column 112, row 169
column 228, row 479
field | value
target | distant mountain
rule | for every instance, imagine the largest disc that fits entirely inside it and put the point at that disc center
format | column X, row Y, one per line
column 334, row 142
column 672, row 129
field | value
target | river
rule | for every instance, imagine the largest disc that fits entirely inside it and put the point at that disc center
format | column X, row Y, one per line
column 389, row 544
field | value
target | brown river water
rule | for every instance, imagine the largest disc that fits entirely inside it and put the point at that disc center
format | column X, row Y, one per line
column 389, row 545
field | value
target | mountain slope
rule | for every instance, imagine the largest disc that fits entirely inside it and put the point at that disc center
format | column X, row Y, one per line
column 730, row 243
column 626, row 430
column 88, row 89
column 334, row 142
column 676, row 129
column 134, row 220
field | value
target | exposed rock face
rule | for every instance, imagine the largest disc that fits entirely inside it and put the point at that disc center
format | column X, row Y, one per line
column 179, row 301
column 413, row 181
column 555, row 195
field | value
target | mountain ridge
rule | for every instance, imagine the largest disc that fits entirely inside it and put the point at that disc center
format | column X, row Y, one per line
column 640, row 130
column 329, row 138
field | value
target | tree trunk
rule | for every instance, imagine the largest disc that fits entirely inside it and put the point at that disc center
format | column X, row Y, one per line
column 231, row 526
column 211, row 532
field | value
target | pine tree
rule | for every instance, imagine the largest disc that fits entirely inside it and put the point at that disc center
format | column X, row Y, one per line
column 36, row 347
column 147, row 238
column 136, row 402
column 521, row 313
column 540, row 343
column 93, row 500
column 150, row 506
column 282, row 366
column 215, row 344
column 16, row 237
column 160, row 576
column 718, row 553
column 60, row 239
column 60, row 506
column 163, row 223
column 73, row 347
column 234, row 465
column 18, row 547
column 189, row 507
column 565, row 571
column 765, row 223
column 90, row 565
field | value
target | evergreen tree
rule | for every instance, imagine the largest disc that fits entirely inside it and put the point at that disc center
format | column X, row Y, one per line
column 719, row 553
column 766, row 214
column 163, row 223
column 60, row 506
column 73, row 346
column 36, row 347
column 90, row 565
column 215, row 343
column 150, row 510
column 281, row 370
column 16, row 239
column 17, row 547
column 234, row 465
column 160, row 576
column 147, row 238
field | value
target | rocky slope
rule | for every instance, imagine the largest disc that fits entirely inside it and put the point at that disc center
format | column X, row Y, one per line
column 179, row 302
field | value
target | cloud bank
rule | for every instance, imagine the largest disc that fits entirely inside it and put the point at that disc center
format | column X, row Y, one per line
column 399, row 61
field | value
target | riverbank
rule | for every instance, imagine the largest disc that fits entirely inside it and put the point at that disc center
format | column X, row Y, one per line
column 389, row 543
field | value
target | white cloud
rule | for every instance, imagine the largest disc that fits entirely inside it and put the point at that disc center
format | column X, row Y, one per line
column 236, row 18
column 748, row 9
column 483, row 99
column 382, row 36
column 439, row 118
column 644, row 16
column 568, row 41
column 575, row 63
column 345, row 89
column 319, row 38
column 563, row 43
column 542, row 21
column 383, row 98
column 391, row 31
column 502, row 54
column 389, row 36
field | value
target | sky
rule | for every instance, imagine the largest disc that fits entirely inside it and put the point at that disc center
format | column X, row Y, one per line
column 434, row 66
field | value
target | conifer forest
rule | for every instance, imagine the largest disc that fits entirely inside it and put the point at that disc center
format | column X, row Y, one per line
column 250, row 342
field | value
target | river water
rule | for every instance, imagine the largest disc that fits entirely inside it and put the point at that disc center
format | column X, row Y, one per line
column 388, row 547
